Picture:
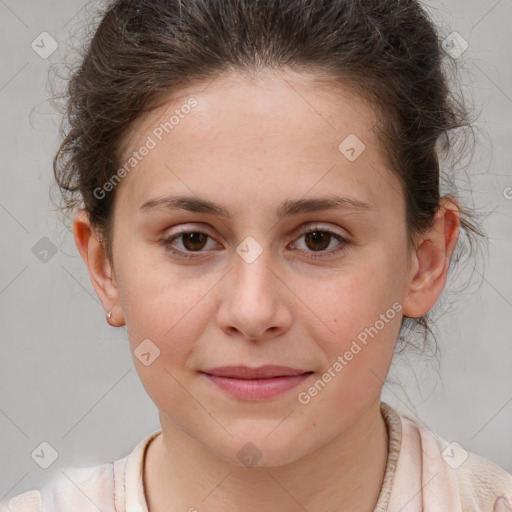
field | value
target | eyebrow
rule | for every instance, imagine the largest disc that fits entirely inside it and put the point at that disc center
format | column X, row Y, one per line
column 287, row 208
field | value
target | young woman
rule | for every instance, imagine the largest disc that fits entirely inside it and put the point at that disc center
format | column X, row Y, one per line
column 259, row 196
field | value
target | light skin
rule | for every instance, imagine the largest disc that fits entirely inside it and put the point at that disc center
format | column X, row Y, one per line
column 249, row 145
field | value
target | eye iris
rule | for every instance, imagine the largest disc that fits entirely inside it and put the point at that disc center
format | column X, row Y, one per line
column 318, row 237
column 193, row 238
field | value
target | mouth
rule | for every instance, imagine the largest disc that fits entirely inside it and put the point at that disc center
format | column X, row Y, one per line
column 259, row 383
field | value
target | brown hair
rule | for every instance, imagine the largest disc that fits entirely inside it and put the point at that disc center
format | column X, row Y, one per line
column 388, row 51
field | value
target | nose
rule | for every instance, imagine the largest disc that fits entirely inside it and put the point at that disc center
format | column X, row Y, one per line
column 256, row 301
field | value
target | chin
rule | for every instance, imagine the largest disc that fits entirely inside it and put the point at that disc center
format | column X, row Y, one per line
column 258, row 450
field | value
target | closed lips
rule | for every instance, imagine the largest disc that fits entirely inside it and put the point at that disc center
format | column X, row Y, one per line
column 262, row 372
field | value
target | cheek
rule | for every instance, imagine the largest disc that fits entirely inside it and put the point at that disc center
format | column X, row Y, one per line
column 164, row 316
column 363, row 314
column 150, row 288
column 162, row 302
column 355, row 299
column 172, row 313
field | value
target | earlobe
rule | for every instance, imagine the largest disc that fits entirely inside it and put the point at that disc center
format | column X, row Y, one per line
column 431, row 260
column 93, row 253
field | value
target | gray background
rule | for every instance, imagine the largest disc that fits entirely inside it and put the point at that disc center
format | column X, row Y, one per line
column 67, row 377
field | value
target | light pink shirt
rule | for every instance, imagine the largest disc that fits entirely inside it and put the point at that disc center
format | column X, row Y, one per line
column 424, row 473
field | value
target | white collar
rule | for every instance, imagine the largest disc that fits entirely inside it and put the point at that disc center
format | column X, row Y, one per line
column 128, row 482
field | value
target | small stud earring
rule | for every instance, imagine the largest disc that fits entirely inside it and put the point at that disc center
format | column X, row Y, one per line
column 109, row 315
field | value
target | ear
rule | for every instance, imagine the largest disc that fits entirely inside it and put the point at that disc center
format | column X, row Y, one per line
column 431, row 259
column 102, row 274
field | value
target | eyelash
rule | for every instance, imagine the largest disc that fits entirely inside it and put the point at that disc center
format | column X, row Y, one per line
column 167, row 243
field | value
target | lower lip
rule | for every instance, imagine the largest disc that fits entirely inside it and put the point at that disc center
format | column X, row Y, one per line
column 258, row 389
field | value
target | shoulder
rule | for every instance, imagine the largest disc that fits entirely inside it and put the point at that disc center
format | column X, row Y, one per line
column 29, row 501
column 481, row 485
column 84, row 489
column 107, row 487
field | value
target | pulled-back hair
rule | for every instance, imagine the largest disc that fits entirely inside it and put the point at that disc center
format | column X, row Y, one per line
column 386, row 51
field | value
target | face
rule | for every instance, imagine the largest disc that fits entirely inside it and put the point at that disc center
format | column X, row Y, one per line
column 247, row 285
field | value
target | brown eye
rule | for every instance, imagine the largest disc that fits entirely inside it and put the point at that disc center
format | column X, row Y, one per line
column 194, row 240
column 191, row 242
column 318, row 240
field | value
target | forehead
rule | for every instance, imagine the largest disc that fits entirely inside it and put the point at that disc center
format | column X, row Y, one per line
column 279, row 132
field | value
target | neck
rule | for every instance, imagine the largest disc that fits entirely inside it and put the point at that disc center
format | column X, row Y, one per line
column 181, row 475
